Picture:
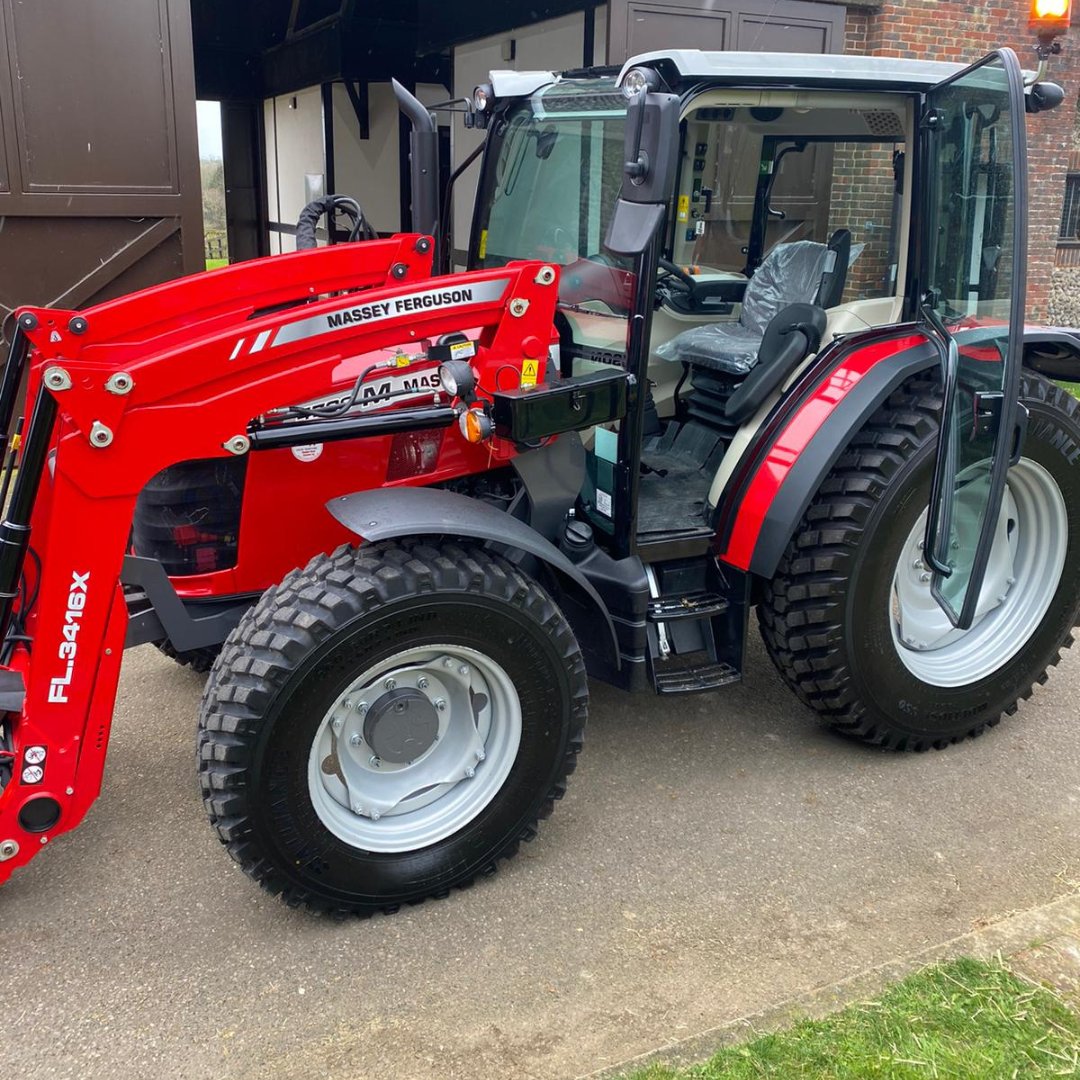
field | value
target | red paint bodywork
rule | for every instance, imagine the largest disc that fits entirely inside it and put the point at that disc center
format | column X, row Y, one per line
column 793, row 439
column 195, row 388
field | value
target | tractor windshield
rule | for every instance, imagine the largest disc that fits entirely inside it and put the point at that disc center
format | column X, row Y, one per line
column 551, row 177
column 556, row 173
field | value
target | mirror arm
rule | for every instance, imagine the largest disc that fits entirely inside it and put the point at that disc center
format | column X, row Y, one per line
column 637, row 168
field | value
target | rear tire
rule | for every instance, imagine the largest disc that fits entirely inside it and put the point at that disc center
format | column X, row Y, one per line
column 829, row 619
column 343, row 662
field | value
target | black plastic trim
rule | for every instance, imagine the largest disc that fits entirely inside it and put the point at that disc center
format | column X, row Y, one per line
column 160, row 614
column 389, row 514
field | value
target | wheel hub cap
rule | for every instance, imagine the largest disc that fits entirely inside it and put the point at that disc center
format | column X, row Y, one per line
column 401, row 726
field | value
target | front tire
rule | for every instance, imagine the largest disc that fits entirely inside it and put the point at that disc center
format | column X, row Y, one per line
column 389, row 723
column 843, row 619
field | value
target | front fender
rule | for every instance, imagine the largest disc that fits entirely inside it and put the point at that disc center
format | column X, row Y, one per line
column 767, row 495
column 393, row 513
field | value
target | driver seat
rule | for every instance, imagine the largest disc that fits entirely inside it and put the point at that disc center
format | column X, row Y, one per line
column 803, row 272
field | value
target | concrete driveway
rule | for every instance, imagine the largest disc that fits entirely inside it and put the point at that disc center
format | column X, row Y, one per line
column 714, row 855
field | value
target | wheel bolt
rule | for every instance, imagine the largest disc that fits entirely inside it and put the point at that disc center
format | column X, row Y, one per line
column 470, row 772
column 924, row 577
column 463, row 670
column 390, row 684
column 356, row 739
column 422, row 683
column 440, row 704
column 1010, row 581
column 375, row 815
column 480, row 755
column 362, row 708
column 337, row 723
column 357, row 808
column 374, row 761
column 347, row 704
column 448, row 662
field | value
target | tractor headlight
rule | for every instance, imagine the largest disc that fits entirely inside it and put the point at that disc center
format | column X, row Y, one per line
column 483, row 97
column 638, row 79
column 457, row 378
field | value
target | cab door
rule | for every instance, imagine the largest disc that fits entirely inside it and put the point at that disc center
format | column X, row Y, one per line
column 974, row 241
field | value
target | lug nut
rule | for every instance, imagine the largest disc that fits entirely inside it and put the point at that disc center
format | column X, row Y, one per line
column 470, row 772
column 356, row 739
column 374, row 761
column 338, row 723
column 422, row 683
column 357, row 808
column 362, row 707
column 448, row 662
column 924, row 577
column 390, row 684
column 463, row 670
column 440, row 704
column 375, row 815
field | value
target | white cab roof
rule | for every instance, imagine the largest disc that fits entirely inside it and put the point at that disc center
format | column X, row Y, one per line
column 801, row 69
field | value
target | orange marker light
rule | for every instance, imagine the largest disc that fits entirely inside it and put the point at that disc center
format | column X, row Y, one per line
column 476, row 425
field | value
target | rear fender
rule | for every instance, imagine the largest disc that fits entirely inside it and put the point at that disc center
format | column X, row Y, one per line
column 393, row 513
column 768, row 493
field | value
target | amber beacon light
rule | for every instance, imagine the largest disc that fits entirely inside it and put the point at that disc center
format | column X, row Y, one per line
column 1049, row 18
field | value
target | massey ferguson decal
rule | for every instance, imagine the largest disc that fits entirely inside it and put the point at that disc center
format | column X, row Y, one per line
column 69, row 647
column 484, row 292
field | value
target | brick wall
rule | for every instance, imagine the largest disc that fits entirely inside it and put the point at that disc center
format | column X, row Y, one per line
column 964, row 31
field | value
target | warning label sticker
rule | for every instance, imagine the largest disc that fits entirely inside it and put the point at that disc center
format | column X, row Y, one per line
column 529, row 369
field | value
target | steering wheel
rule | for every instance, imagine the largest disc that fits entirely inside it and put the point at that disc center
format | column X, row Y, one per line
column 678, row 273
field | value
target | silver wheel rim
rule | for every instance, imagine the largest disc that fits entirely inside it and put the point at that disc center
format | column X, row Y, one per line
column 1023, row 573
column 415, row 748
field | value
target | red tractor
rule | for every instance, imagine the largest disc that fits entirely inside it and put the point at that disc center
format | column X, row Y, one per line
column 685, row 376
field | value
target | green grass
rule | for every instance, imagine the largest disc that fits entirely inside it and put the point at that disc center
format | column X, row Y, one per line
column 958, row 1021
column 1072, row 387
column 213, row 264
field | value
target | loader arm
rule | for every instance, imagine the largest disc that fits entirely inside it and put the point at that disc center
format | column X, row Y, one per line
column 180, row 372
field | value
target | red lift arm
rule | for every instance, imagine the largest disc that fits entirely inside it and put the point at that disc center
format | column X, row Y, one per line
column 184, row 371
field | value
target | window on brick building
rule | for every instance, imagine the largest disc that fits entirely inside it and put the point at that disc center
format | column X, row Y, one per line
column 1070, row 211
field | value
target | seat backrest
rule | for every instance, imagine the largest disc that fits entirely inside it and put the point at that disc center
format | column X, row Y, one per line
column 793, row 334
column 834, row 275
column 789, row 274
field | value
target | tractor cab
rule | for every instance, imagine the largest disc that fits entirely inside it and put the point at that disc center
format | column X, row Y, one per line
column 807, row 201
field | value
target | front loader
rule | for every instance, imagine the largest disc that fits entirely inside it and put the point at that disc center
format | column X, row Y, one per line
column 656, row 401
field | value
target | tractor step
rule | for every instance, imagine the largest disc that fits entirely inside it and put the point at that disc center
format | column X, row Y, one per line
column 695, row 606
column 693, row 678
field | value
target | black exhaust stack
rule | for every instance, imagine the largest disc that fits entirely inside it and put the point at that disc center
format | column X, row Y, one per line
column 423, row 161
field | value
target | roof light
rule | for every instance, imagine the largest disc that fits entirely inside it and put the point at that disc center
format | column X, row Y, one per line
column 483, row 97
column 638, row 79
column 1057, row 10
column 1050, row 18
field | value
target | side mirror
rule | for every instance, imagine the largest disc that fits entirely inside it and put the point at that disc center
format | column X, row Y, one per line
column 651, row 157
column 652, row 147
